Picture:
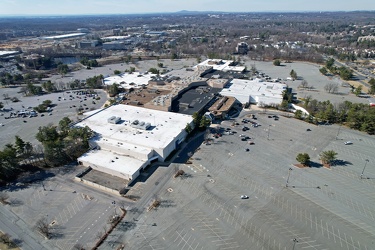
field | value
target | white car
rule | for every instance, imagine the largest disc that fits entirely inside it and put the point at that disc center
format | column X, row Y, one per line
column 244, row 197
column 348, row 143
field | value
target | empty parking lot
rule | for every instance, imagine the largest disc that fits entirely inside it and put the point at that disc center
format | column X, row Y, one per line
column 320, row 209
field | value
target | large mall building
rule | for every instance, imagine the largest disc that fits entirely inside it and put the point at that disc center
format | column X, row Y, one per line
column 128, row 138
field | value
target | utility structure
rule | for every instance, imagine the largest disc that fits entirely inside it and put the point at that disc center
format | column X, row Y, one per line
column 366, row 161
column 287, row 180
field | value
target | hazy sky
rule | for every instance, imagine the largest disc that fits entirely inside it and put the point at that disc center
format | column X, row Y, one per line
column 69, row 7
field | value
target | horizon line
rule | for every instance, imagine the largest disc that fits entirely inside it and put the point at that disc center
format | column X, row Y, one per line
column 181, row 12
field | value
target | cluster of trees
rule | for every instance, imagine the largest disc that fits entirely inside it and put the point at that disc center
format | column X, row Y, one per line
column 354, row 115
column 32, row 89
column 63, row 144
column 7, row 79
column 63, row 69
column 89, row 63
column 95, row 82
column 41, row 63
column 277, row 62
column 113, row 90
column 293, row 74
column 154, row 71
column 12, row 157
column 327, row 157
column 49, row 86
column 41, row 108
column 60, row 145
column 344, row 72
column 372, row 86
column 200, row 121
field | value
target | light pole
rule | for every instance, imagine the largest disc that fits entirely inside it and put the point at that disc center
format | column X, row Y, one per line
column 287, row 180
column 364, row 168
column 114, row 204
column 268, row 135
column 338, row 131
column 294, row 242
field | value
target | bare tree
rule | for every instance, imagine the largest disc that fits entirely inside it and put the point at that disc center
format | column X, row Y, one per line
column 304, row 84
column 331, row 87
column 43, row 227
column 6, row 239
column 4, row 198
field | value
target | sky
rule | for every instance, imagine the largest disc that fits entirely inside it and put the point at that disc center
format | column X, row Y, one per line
column 74, row 7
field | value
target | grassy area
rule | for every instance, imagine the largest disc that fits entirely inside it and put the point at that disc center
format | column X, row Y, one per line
column 356, row 84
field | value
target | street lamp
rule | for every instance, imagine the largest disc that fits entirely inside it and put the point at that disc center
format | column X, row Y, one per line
column 114, row 204
column 294, row 242
column 364, row 168
column 338, row 131
column 269, row 128
column 287, row 180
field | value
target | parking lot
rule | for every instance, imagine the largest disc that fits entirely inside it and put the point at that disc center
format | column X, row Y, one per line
column 310, row 73
column 320, row 209
column 26, row 127
column 75, row 213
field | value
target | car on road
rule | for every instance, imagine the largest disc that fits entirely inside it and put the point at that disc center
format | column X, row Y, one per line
column 244, row 197
column 348, row 143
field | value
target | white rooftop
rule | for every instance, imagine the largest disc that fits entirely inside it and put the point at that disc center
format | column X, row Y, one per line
column 127, row 80
column 112, row 38
column 165, row 126
column 113, row 161
column 222, row 65
column 65, row 36
column 8, row 52
column 265, row 92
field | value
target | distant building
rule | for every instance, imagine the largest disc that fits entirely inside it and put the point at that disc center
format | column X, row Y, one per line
column 255, row 91
column 115, row 45
column 87, row 44
column 7, row 53
column 156, row 33
column 83, row 30
column 66, row 36
column 222, row 65
column 366, row 38
column 242, row 48
column 116, row 32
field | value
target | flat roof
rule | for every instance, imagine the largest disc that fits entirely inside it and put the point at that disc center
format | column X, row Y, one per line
column 8, row 52
column 65, row 36
column 165, row 126
column 222, row 65
column 113, row 161
column 267, row 92
column 127, row 80
column 111, row 38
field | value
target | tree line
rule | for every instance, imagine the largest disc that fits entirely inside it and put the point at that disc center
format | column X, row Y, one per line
column 357, row 116
column 60, row 145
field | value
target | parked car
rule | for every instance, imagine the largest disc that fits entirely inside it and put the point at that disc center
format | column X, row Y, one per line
column 348, row 143
column 244, row 197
